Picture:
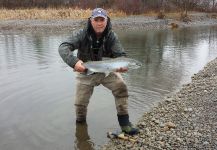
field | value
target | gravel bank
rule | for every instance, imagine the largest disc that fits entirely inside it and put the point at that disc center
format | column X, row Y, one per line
column 186, row 120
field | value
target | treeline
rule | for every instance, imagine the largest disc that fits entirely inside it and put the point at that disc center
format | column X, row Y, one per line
column 128, row 6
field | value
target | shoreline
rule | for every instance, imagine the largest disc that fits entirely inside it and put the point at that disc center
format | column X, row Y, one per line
column 126, row 23
column 185, row 120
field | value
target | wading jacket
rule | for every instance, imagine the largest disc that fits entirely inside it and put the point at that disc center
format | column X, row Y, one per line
column 83, row 41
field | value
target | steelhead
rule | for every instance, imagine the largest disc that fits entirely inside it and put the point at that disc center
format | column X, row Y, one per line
column 111, row 65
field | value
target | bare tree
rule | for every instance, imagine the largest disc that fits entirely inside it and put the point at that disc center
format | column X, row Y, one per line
column 128, row 6
column 213, row 5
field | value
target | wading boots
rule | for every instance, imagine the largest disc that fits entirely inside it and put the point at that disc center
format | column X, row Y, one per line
column 126, row 125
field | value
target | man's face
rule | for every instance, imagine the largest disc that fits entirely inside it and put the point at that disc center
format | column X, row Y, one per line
column 99, row 24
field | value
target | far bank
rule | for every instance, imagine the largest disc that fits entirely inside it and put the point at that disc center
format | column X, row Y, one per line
column 118, row 21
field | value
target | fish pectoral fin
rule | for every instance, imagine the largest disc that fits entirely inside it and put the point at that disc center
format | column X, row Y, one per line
column 107, row 73
column 89, row 72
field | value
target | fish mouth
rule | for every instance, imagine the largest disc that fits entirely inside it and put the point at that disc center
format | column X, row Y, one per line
column 135, row 65
column 139, row 64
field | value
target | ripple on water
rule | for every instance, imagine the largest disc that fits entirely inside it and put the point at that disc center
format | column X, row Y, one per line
column 141, row 99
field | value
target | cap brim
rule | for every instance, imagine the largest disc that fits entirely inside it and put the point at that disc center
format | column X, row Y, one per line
column 99, row 15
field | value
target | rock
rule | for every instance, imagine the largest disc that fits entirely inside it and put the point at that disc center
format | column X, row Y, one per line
column 179, row 139
column 155, row 121
column 166, row 128
column 170, row 125
column 161, row 143
column 168, row 100
column 188, row 109
column 129, row 146
column 142, row 124
column 161, row 125
column 205, row 143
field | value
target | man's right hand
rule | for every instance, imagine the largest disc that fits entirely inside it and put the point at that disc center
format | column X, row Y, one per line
column 79, row 67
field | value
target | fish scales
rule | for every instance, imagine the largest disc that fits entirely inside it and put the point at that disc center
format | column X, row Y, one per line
column 111, row 65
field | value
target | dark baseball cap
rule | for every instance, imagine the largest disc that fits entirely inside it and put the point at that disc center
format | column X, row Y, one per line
column 99, row 12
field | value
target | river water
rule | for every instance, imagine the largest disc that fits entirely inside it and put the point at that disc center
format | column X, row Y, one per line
column 38, row 88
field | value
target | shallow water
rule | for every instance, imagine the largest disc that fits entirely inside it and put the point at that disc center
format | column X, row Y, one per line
column 37, row 88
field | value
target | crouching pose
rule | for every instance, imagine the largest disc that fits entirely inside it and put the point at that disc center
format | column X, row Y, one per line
column 95, row 41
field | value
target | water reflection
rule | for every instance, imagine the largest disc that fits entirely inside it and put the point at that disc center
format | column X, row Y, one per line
column 170, row 55
column 82, row 139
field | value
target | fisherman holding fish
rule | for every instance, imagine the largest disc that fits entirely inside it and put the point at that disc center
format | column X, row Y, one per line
column 95, row 41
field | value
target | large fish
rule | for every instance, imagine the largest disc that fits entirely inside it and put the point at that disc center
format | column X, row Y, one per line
column 111, row 65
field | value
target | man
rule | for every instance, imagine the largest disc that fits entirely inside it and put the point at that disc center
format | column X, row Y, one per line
column 95, row 41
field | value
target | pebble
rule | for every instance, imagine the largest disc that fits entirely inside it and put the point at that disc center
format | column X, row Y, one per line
column 161, row 125
column 188, row 110
column 170, row 125
column 205, row 143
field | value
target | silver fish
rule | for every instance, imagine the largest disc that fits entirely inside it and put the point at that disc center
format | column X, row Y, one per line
column 111, row 65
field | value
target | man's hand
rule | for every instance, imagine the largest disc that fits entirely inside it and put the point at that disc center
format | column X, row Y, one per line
column 122, row 69
column 79, row 67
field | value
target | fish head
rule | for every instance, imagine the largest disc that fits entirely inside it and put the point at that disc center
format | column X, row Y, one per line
column 134, row 64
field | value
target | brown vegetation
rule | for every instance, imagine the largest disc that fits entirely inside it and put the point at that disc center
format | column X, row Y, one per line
column 161, row 15
column 50, row 13
column 174, row 25
column 72, row 9
column 185, row 18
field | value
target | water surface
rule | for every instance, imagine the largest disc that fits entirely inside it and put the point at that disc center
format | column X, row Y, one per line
column 38, row 88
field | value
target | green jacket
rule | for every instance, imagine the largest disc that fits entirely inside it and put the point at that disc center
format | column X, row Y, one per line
column 83, row 42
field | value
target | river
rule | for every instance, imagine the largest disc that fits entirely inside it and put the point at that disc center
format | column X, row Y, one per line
column 38, row 88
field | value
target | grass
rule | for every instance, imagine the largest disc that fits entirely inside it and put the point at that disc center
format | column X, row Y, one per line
column 67, row 13
column 51, row 13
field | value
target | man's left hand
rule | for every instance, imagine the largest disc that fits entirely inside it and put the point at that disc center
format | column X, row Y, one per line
column 122, row 69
